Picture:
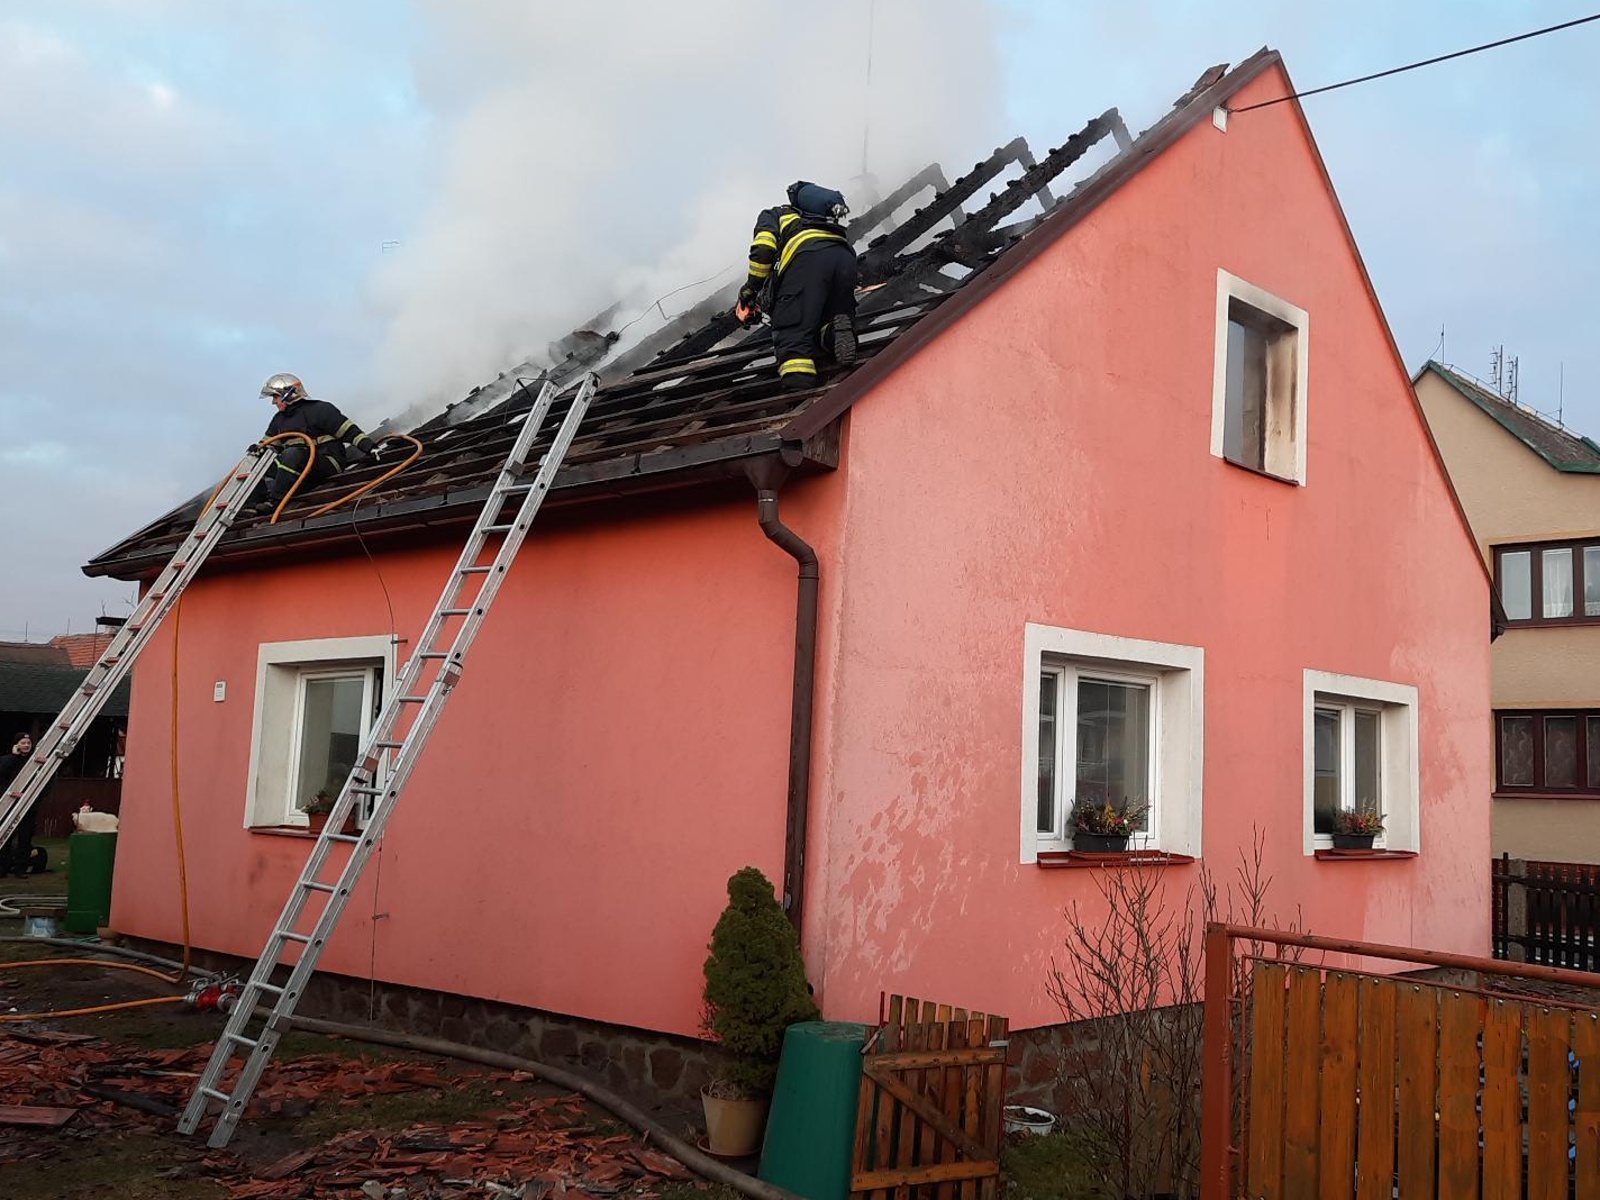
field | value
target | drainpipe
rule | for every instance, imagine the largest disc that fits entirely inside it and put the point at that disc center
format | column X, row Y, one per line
column 766, row 480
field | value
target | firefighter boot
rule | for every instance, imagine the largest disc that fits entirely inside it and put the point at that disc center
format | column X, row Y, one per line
column 844, row 340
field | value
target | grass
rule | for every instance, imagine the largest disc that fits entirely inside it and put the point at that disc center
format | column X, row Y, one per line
column 1058, row 1166
column 128, row 1167
column 396, row 1110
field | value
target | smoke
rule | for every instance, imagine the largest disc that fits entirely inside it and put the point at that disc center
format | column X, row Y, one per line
column 599, row 153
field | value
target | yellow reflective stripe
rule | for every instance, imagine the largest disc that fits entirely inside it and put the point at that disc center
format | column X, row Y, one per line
column 326, row 437
column 760, row 269
column 292, row 470
column 765, row 238
column 798, row 366
column 344, row 429
column 787, row 219
column 800, row 239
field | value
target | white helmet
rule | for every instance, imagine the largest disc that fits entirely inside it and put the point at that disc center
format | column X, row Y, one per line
column 283, row 386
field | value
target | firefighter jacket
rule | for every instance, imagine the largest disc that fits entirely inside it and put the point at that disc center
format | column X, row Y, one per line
column 780, row 234
column 326, row 424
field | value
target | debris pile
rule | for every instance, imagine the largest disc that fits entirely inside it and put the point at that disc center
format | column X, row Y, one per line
column 534, row 1147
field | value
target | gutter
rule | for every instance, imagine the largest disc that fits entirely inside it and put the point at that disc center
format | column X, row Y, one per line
column 766, row 475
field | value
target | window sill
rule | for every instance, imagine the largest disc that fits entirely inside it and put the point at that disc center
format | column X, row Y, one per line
column 1080, row 859
column 1327, row 854
column 289, row 831
column 1261, row 471
column 1550, row 622
column 1545, row 795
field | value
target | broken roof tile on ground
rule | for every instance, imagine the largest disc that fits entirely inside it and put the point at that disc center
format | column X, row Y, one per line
column 533, row 1145
column 700, row 399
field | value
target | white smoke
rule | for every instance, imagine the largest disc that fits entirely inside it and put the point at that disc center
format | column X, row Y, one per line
column 616, row 151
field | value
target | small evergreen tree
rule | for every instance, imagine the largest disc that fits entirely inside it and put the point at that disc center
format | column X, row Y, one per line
column 755, row 982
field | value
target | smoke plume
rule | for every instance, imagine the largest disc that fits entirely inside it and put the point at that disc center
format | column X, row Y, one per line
column 611, row 152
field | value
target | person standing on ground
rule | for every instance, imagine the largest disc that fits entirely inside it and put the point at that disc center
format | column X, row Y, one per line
column 17, row 854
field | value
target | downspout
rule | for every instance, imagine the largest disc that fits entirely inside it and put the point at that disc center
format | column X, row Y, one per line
column 766, row 477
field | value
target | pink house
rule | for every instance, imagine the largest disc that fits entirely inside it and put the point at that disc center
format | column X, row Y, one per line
column 1131, row 498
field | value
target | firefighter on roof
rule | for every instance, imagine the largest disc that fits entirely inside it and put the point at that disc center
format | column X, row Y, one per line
column 800, row 251
column 340, row 441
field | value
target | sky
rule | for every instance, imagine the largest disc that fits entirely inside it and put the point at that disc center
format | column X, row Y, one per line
column 397, row 200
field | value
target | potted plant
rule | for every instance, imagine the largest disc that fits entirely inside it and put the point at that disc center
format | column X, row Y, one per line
column 1355, row 830
column 755, row 988
column 1101, row 826
column 318, row 811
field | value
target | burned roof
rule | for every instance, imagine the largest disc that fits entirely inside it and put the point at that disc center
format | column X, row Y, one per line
column 700, row 400
column 1560, row 447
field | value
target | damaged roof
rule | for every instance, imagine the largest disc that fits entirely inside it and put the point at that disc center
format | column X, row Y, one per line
column 43, row 689
column 700, row 400
column 1560, row 447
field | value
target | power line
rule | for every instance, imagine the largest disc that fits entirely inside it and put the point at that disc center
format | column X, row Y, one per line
column 1427, row 62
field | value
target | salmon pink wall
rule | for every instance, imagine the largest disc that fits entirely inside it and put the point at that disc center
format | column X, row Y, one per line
column 616, row 749
column 1055, row 444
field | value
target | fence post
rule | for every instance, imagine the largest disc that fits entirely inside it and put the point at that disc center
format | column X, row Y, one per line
column 1216, row 1077
column 1516, row 910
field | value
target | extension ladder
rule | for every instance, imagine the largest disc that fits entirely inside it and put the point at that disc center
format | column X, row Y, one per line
column 402, row 727
column 113, row 666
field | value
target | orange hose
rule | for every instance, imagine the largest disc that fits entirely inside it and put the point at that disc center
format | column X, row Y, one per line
column 305, row 472
column 177, row 807
column 98, row 1008
column 372, row 483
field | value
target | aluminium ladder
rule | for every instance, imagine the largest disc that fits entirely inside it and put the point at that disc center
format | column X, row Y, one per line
column 112, row 667
column 402, row 727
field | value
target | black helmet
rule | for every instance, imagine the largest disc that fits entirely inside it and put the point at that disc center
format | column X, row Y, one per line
column 817, row 201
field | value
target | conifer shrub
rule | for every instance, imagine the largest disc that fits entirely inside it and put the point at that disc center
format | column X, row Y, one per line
column 755, row 984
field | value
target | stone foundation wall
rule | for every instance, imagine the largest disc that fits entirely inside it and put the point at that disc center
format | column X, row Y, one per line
column 660, row 1072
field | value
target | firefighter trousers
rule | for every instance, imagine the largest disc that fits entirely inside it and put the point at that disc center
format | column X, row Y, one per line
column 814, row 289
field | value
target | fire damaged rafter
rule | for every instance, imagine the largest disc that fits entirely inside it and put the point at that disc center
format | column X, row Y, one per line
column 694, row 412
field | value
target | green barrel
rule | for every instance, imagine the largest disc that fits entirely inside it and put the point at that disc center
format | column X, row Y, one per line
column 90, row 857
column 811, row 1130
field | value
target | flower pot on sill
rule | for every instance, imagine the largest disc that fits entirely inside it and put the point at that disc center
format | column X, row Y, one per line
column 1353, row 841
column 734, row 1127
column 317, row 820
column 1100, row 843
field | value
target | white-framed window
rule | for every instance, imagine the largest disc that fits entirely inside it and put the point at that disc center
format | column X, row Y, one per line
column 1258, row 403
column 1361, row 756
column 1116, row 719
column 315, row 704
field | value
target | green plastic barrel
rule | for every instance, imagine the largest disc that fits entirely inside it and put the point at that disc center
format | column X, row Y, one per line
column 811, row 1129
column 90, row 858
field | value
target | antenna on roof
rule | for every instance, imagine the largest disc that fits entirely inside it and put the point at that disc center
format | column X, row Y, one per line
column 1561, row 390
column 1511, row 380
column 1497, row 360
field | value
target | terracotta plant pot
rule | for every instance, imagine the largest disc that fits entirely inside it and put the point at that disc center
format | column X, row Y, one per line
column 1100, row 843
column 734, row 1127
column 1353, row 841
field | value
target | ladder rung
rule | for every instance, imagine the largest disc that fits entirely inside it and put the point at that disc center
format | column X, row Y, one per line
column 476, row 570
column 454, row 612
column 389, row 745
column 242, row 1040
column 290, row 936
column 433, row 654
column 343, row 837
column 499, row 528
column 314, row 886
column 213, row 1094
column 366, row 791
column 270, row 987
column 411, row 699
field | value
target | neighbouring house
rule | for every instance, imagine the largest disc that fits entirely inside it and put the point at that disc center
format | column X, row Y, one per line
column 1131, row 496
column 1531, row 491
column 37, row 679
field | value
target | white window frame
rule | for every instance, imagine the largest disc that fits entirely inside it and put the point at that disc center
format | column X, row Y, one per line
column 1176, row 674
column 281, row 671
column 1285, row 456
column 1399, row 774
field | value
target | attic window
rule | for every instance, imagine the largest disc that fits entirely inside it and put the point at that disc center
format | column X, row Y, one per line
column 1259, row 386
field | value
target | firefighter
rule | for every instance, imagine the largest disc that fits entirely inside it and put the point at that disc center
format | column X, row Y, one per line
column 801, row 252
column 340, row 441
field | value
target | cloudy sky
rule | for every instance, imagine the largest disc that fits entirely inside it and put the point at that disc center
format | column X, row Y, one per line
column 396, row 200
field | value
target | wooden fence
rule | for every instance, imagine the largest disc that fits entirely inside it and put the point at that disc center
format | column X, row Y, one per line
column 929, row 1122
column 1335, row 1083
column 1546, row 912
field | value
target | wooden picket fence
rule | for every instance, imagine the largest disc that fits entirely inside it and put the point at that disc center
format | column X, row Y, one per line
column 931, row 1113
column 1331, row 1083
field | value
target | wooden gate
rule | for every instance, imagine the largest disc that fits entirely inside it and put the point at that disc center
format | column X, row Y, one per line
column 1335, row 1082
column 928, row 1126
